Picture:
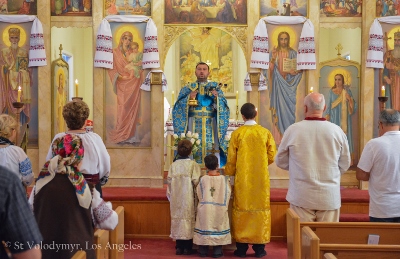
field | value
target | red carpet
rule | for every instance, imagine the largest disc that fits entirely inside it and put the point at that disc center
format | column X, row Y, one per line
column 165, row 249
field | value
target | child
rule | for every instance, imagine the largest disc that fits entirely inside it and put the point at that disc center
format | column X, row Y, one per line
column 212, row 222
column 183, row 176
column 135, row 61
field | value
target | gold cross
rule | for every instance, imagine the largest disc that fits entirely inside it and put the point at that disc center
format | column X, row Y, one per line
column 339, row 48
column 386, row 37
column 212, row 190
column 60, row 48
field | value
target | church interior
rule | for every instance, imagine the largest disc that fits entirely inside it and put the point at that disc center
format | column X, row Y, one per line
column 341, row 44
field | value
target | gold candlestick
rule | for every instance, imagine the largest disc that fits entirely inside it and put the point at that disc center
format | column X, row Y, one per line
column 237, row 112
column 18, row 106
column 382, row 102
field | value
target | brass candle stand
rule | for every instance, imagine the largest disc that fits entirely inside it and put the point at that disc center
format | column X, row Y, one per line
column 18, row 106
column 237, row 112
column 382, row 102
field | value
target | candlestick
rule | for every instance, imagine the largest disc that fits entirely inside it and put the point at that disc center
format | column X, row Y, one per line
column 237, row 98
column 173, row 98
column 382, row 102
column 383, row 92
column 19, row 94
column 311, row 89
column 76, row 87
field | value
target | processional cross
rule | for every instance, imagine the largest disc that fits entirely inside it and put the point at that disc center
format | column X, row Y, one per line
column 386, row 38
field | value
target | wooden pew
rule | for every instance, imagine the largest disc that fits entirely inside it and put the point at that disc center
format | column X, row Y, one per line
column 117, row 236
column 338, row 232
column 329, row 256
column 313, row 248
column 79, row 255
column 293, row 235
column 101, row 238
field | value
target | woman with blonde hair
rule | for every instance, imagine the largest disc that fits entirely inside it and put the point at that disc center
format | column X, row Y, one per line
column 11, row 156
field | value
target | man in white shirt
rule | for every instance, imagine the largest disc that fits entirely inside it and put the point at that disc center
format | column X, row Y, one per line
column 380, row 165
column 316, row 153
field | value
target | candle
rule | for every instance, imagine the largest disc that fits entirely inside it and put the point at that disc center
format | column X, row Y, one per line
column 19, row 94
column 173, row 97
column 256, row 108
column 311, row 89
column 237, row 98
column 383, row 91
column 76, row 87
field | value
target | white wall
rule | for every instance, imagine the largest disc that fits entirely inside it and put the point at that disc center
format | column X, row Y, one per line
column 350, row 39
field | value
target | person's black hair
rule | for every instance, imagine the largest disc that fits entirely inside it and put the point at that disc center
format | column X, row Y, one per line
column 211, row 162
column 248, row 110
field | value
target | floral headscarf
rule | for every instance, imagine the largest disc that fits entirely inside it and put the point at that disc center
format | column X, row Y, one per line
column 67, row 154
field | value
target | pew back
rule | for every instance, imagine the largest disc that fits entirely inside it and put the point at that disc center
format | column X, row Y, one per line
column 293, row 234
column 309, row 244
column 329, row 256
column 314, row 248
column 101, row 239
column 117, row 236
column 338, row 232
column 79, row 255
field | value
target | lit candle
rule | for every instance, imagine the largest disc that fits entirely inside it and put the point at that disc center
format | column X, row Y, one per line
column 383, row 91
column 311, row 89
column 237, row 98
column 19, row 94
column 173, row 97
column 76, row 87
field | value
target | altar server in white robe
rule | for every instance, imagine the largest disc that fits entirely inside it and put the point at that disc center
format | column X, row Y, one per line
column 183, row 177
column 212, row 221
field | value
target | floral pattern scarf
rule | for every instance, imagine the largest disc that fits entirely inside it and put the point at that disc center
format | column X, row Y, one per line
column 67, row 154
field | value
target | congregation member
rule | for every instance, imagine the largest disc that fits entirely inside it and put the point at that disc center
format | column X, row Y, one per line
column 380, row 165
column 251, row 150
column 12, row 156
column 18, row 229
column 61, row 200
column 183, row 177
column 96, row 164
column 316, row 153
column 212, row 220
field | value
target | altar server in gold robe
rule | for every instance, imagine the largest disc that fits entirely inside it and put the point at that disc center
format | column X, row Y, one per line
column 251, row 149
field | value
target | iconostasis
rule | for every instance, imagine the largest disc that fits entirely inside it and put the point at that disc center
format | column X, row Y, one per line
column 220, row 32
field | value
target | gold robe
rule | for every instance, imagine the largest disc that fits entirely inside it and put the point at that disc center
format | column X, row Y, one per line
column 251, row 149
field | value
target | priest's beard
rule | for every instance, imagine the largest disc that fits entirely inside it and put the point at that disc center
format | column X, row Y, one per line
column 396, row 51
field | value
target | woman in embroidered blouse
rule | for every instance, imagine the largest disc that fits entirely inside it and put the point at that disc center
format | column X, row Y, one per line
column 96, row 163
column 61, row 200
column 11, row 156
